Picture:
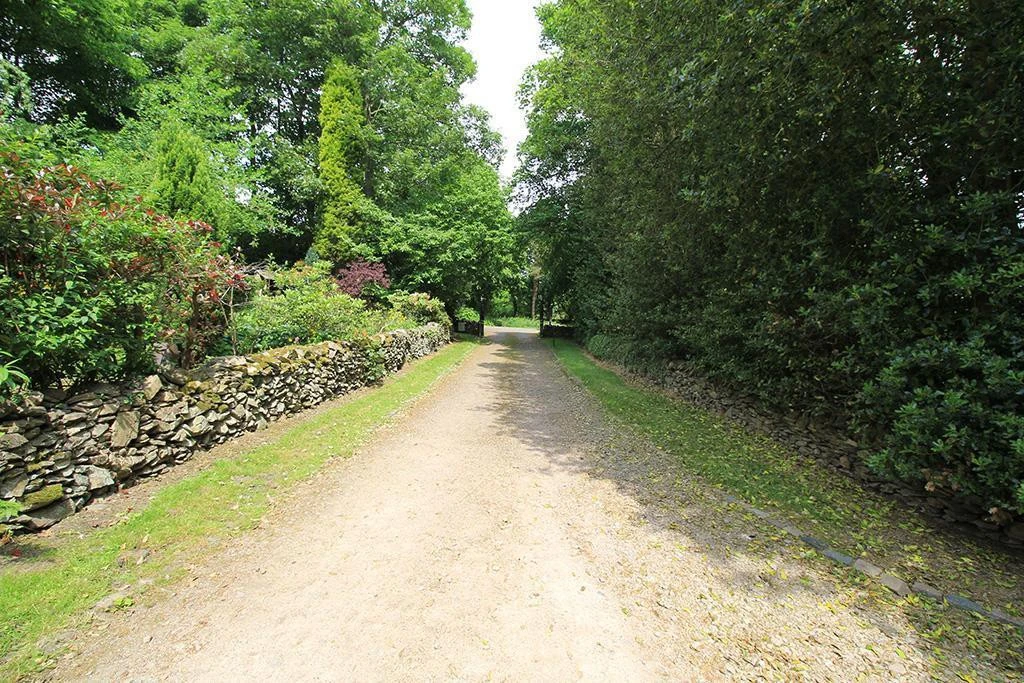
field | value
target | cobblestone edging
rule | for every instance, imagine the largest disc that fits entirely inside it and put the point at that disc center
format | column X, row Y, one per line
column 894, row 583
column 57, row 453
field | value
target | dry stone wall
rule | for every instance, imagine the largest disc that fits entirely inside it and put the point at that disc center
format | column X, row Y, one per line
column 59, row 452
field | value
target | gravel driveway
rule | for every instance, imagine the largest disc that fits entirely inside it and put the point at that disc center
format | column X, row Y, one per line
column 503, row 530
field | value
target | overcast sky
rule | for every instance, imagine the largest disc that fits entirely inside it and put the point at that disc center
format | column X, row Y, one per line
column 504, row 41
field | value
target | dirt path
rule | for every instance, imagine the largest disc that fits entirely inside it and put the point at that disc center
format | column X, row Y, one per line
column 503, row 531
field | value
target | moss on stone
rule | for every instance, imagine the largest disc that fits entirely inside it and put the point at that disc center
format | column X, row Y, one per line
column 196, row 387
column 42, row 497
column 208, row 401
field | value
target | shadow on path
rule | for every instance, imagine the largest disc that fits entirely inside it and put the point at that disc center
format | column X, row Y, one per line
column 536, row 402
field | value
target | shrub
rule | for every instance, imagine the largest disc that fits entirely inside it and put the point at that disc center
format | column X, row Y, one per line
column 420, row 308
column 314, row 274
column 468, row 314
column 308, row 306
column 90, row 282
column 850, row 246
column 363, row 279
column 12, row 380
column 951, row 415
column 298, row 316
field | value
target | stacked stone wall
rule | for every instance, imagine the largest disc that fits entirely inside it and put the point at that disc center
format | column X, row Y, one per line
column 59, row 452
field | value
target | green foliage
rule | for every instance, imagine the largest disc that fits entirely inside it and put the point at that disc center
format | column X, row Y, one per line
column 460, row 247
column 9, row 509
column 75, row 304
column 950, row 415
column 335, row 129
column 342, row 151
column 816, row 204
column 621, row 349
column 512, row 321
column 308, row 307
column 12, row 380
column 284, row 125
column 15, row 93
column 183, row 183
column 468, row 314
column 90, row 283
column 78, row 56
column 419, row 308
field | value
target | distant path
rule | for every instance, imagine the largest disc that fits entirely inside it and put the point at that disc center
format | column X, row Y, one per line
column 502, row 530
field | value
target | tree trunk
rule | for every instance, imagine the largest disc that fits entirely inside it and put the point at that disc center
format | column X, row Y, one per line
column 533, row 301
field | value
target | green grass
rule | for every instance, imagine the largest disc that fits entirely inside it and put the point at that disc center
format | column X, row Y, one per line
column 224, row 500
column 512, row 321
column 832, row 507
column 820, row 501
column 752, row 467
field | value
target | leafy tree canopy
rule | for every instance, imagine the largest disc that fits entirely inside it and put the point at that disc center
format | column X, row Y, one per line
column 818, row 203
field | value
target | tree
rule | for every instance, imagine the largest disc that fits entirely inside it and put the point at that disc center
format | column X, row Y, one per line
column 289, row 124
column 815, row 203
column 460, row 247
column 15, row 92
column 183, row 184
column 79, row 57
column 347, row 210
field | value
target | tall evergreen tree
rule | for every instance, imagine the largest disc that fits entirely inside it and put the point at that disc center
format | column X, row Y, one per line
column 183, row 184
column 347, row 210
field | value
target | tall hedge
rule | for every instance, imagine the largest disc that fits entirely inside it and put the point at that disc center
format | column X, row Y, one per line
column 817, row 202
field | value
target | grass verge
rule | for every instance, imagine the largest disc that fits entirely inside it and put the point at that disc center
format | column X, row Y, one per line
column 222, row 501
column 827, row 505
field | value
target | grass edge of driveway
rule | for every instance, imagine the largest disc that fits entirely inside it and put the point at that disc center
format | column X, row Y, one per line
column 830, row 506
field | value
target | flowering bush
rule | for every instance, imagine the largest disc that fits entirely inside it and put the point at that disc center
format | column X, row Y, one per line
column 90, row 281
column 362, row 278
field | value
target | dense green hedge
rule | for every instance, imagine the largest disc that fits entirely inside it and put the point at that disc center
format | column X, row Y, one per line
column 819, row 203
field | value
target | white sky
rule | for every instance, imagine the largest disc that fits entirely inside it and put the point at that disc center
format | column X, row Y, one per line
column 504, row 40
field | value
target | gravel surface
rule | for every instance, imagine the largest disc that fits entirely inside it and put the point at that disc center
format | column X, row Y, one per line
column 504, row 530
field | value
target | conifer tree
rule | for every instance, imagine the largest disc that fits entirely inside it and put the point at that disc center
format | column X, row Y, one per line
column 183, row 184
column 342, row 146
